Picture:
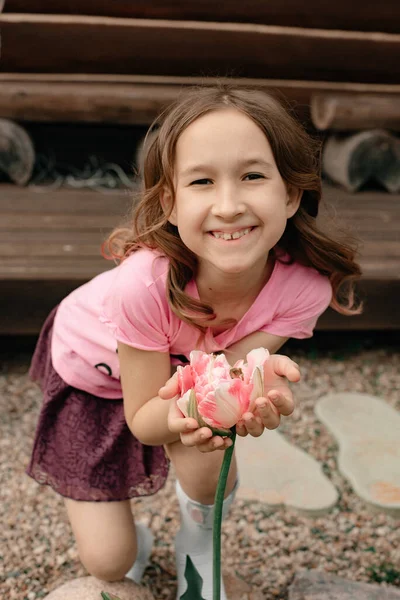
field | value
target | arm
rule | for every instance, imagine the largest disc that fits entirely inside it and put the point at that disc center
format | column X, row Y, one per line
column 142, row 374
column 258, row 339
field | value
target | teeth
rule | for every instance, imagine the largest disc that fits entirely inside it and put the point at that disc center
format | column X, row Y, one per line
column 231, row 236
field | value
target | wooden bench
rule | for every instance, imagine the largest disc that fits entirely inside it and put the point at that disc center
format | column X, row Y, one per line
column 50, row 243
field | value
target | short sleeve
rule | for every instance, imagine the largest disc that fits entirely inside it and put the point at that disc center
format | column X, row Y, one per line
column 133, row 308
column 301, row 310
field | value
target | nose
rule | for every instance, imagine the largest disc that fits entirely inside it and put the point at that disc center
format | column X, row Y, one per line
column 227, row 203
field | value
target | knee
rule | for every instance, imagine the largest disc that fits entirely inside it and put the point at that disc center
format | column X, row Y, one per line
column 108, row 562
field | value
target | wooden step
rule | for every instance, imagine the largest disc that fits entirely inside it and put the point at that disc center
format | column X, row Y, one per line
column 138, row 99
column 89, row 44
column 51, row 242
column 313, row 13
column 65, row 227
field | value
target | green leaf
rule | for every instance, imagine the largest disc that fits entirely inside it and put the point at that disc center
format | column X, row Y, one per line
column 106, row 596
column 194, row 582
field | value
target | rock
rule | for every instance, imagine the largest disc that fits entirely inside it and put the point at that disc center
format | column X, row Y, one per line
column 237, row 589
column 318, row 585
column 90, row 588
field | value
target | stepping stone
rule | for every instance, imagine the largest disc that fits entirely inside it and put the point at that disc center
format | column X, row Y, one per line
column 275, row 472
column 318, row 585
column 368, row 432
column 90, row 588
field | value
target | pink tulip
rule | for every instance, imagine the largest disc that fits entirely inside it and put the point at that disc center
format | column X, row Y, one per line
column 216, row 394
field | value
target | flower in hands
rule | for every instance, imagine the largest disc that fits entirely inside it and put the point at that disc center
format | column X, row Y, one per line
column 218, row 395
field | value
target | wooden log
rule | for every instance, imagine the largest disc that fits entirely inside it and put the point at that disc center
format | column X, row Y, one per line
column 348, row 112
column 369, row 156
column 87, row 102
column 71, row 44
column 138, row 100
column 313, row 13
column 17, row 154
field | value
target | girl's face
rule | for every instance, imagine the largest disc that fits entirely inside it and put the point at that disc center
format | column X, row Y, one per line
column 231, row 203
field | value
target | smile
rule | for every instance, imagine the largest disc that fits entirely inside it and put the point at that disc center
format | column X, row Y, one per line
column 235, row 235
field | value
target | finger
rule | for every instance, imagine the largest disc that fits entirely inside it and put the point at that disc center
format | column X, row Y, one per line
column 268, row 412
column 201, row 436
column 253, row 424
column 241, row 429
column 177, row 422
column 182, row 424
column 283, row 402
column 283, row 366
column 215, row 443
column 170, row 389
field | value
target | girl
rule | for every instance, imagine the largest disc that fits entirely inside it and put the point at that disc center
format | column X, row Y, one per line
column 222, row 253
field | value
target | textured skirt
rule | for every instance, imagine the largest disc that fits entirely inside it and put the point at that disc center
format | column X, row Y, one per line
column 83, row 447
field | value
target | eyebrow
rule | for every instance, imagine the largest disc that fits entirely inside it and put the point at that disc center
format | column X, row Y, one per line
column 245, row 163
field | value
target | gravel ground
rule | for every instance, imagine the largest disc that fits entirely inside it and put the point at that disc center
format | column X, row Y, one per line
column 37, row 552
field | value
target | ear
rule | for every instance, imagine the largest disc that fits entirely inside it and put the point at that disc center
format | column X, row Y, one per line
column 167, row 202
column 294, row 196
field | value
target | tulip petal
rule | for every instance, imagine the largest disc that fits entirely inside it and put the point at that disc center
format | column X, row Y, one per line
column 183, row 403
column 200, row 362
column 255, row 358
column 225, row 407
column 258, row 386
column 185, row 378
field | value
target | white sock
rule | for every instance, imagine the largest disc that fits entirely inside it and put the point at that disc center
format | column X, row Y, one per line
column 195, row 539
column 144, row 540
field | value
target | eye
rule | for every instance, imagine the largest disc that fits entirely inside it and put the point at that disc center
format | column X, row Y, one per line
column 200, row 181
column 254, row 176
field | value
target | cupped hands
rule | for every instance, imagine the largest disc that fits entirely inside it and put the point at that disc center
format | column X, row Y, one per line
column 278, row 401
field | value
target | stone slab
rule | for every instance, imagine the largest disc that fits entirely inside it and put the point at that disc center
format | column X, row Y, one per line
column 90, row 588
column 368, row 433
column 318, row 585
column 275, row 472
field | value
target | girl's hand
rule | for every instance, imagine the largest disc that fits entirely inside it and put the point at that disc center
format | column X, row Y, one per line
column 278, row 370
column 190, row 432
column 278, row 398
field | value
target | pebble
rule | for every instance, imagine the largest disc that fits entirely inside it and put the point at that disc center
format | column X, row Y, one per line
column 265, row 548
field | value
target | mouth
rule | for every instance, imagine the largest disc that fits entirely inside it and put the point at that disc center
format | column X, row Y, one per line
column 233, row 235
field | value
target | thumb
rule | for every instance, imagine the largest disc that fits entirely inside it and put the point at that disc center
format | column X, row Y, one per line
column 170, row 389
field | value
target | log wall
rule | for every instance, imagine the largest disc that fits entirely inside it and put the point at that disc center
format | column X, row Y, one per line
column 82, row 44
column 311, row 14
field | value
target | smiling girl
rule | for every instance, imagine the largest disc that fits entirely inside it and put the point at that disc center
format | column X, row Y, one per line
column 222, row 253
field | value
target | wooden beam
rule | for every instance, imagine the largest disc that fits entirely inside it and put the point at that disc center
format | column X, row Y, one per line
column 348, row 112
column 87, row 102
column 313, row 13
column 138, row 100
column 82, row 44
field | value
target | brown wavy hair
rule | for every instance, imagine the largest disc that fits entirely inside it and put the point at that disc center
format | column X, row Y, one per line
column 297, row 157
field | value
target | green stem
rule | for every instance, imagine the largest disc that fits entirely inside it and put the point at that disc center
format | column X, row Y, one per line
column 219, row 499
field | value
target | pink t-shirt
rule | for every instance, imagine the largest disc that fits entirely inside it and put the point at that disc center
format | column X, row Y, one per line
column 129, row 304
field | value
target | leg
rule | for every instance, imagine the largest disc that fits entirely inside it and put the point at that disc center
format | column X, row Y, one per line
column 105, row 533
column 197, row 475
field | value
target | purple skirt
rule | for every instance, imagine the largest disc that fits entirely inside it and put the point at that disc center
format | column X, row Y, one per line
column 83, row 447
